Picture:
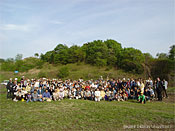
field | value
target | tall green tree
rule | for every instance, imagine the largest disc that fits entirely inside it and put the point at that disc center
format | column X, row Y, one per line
column 36, row 55
column 131, row 60
column 18, row 57
column 114, row 52
column 162, row 55
column 172, row 52
column 96, row 53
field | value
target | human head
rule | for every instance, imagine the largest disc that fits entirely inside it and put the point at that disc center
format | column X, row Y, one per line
column 158, row 79
column 35, row 91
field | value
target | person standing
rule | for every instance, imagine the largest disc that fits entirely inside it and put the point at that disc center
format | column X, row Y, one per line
column 9, row 89
column 142, row 86
column 159, row 88
column 165, row 86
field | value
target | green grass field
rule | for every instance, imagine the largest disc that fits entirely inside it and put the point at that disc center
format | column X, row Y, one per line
column 83, row 115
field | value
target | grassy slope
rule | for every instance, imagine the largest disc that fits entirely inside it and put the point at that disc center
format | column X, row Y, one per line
column 76, row 72
column 82, row 115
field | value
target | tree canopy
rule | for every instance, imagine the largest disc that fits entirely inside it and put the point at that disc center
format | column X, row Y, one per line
column 98, row 53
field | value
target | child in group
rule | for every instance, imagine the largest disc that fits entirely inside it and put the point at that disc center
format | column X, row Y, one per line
column 141, row 99
column 29, row 97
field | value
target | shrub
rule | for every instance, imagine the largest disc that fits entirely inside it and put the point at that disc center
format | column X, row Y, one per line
column 63, row 72
column 42, row 74
column 130, row 66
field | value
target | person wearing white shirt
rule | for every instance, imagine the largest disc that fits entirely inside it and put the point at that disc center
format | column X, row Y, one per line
column 165, row 86
column 97, row 95
column 142, row 86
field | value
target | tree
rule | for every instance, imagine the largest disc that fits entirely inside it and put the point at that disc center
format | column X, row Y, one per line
column 61, row 57
column 172, row 52
column 161, row 68
column 96, row 51
column 131, row 60
column 36, row 55
column 2, row 60
column 162, row 55
column 114, row 52
column 63, row 72
column 131, row 66
column 148, row 58
column 59, row 48
column 48, row 57
column 75, row 54
column 18, row 57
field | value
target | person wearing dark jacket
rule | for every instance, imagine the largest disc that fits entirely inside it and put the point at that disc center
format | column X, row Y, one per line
column 147, row 94
column 159, row 88
column 14, row 87
column 132, row 94
column 9, row 89
column 51, row 91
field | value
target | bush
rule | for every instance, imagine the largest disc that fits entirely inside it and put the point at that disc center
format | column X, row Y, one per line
column 107, row 69
column 42, row 74
column 63, row 72
column 39, row 64
column 130, row 66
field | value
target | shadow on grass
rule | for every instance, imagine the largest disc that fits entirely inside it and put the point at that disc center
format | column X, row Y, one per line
column 133, row 101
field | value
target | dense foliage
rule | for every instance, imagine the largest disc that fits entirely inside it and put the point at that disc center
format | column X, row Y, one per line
column 21, row 65
column 98, row 53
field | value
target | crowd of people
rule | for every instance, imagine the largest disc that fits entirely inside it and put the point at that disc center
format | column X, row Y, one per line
column 31, row 90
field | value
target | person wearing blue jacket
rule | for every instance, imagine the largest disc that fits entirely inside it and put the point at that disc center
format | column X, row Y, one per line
column 46, row 95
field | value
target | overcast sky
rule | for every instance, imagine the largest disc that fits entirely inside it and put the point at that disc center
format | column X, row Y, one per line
column 37, row 26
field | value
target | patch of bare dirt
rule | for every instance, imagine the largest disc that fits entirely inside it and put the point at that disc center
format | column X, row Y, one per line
column 170, row 99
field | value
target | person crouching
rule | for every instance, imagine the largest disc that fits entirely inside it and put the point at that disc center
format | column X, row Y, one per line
column 19, row 95
column 46, row 96
column 141, row 98
column 35, row 96
column 29, row 97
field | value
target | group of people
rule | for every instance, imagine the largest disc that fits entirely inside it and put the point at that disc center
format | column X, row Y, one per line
column 31, row 90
